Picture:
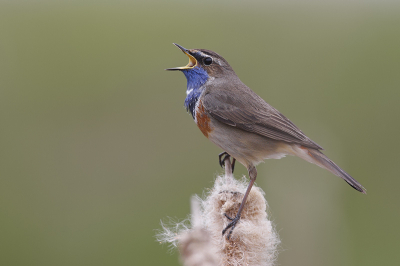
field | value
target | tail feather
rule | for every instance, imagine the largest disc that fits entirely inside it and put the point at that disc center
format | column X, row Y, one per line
column 320, row 159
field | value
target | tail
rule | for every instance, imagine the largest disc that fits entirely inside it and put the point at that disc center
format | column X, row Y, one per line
column 316, row 157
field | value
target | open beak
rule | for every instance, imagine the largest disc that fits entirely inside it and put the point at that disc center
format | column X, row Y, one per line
column 192, row 61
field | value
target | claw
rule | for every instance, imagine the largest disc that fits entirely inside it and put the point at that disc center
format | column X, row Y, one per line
column 231, row 225
column 222, row 160
column 226, row 215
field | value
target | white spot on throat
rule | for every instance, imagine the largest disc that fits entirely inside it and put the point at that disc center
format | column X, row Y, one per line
column 195, row 111
column 188, row 91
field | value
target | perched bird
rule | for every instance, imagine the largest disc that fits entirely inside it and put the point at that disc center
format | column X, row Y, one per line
column 241, row 123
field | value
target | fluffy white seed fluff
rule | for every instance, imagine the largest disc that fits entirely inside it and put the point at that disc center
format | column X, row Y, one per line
column 253, row 241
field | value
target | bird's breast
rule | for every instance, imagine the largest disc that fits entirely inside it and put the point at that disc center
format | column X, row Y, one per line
column 202, row 119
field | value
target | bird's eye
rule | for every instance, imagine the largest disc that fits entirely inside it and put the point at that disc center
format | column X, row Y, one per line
column 207, row 61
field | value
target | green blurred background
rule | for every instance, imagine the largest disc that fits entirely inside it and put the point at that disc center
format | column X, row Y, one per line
column 96, row 146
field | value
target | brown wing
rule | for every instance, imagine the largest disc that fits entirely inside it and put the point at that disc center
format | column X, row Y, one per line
column 244, row 109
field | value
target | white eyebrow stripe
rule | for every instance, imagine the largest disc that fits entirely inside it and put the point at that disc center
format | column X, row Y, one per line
column 203, row 54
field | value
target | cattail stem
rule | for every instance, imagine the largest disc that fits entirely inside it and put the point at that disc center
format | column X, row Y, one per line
column 228, row 167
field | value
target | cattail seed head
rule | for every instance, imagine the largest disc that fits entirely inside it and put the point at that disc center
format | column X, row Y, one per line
column 253, row 242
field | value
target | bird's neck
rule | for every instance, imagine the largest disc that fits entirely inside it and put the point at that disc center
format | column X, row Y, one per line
column 196, row 78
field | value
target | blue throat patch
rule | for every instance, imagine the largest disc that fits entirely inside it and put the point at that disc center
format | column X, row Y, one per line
column 196, row 77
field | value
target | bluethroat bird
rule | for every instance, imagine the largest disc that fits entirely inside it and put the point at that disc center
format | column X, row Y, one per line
column 241, row 123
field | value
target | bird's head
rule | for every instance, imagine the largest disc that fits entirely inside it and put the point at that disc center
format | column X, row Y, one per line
column 203, row 64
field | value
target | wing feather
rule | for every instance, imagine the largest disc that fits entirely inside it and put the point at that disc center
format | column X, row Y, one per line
column 249, row 112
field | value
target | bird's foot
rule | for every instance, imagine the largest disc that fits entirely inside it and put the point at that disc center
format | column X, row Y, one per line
column 222, row 157
column 225, row 156
column 231, row 225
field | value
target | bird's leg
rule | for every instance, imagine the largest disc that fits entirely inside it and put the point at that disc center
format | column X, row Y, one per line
column 253, row 175
column 233, row 164
column 222, row 159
